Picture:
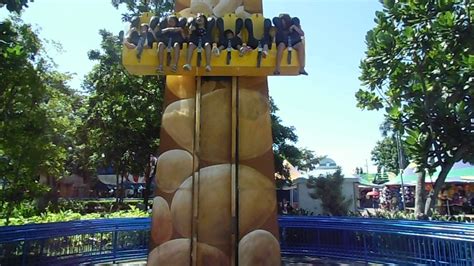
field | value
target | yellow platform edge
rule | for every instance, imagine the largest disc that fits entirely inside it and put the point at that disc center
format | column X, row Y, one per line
column 239, row 66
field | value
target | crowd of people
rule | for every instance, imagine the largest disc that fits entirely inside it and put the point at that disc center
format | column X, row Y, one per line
column 172, row 32
column 392, row 198
column 456, row 199
column 388, row 198
column 452, row 199
column 285, row 207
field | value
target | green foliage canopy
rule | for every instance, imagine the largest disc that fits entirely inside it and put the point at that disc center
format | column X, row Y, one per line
column 329, row 190
column 37, row 116
column 385, row 155
column 124, row 111
column 284, row 138
column 419, row 66
column 136, row 7
column 15, row 5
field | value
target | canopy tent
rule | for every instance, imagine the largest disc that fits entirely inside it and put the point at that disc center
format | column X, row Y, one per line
column 460, row 173
column 408, row 180
column 463, row 171
column 367, row 180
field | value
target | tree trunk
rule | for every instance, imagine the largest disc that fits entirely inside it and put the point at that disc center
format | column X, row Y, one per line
column 420, row 195
column 122, row 190
column 9, row 211
column 147, row 187
column 117, row 186
column 433, row 195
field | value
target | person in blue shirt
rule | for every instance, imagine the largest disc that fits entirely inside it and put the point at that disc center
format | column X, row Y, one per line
column 288, row 31
column 198, row 35
column 235, row 41
column 139, row 39
column 171, row 34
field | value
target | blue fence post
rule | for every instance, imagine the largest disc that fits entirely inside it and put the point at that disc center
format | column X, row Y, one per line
column 283, row 237
column 366, row 253
column 100, row 243
column 42, row 248
column 25, row 252
column 114, row 244
column 436, row 251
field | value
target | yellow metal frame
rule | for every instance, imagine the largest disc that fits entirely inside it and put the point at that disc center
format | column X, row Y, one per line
column 196, row 175
column 145, row 17
column 239, row 66
column 234, row 189
column 258, row 21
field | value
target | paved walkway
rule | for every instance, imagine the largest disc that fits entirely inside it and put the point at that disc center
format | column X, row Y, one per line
column 286, row 261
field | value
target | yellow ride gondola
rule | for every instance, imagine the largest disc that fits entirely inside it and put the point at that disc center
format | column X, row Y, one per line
column 241, row 65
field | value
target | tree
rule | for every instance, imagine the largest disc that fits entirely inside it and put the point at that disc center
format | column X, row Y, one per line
column 14, row 5
column 418, row 66
column 329, row 190
column 36, row 117
column 385, row 155
column 136, row 7
column 283, row 149
column 124, row 112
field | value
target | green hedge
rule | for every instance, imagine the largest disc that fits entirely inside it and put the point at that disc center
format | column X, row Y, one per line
column 403, row 215
column 95, row 206
column 69, row 215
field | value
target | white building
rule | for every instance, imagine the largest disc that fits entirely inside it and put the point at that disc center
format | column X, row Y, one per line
column 327, row 166
column 299, row 194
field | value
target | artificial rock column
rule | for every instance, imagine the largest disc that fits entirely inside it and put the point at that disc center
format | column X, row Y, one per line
column 216, row 200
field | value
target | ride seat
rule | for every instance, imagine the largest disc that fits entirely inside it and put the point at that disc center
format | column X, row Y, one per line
column 231, row 22
column 277, row 22
column 161, row 23
column 211, row 22
column 146, row 17
column 257, row 27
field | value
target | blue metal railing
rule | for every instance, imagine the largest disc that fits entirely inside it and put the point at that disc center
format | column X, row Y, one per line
column 379, row 240
column 75, row 242
column 371, row 240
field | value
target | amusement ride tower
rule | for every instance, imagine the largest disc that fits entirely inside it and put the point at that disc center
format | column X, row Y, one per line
column 216, row 201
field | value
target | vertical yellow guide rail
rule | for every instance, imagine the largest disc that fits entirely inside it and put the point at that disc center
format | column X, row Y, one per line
column 195, row 186
column 234, row 173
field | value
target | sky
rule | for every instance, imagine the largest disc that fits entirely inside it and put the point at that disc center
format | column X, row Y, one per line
column 321, row 106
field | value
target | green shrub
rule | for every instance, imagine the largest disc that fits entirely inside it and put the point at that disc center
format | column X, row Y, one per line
column 405, row 215
column 69, row 215
column 94, row 206
column 24, row 209
column 329, row 190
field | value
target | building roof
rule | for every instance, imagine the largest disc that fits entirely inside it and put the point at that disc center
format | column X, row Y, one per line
column 294, row 173
column 327, row 163
column 460, row 173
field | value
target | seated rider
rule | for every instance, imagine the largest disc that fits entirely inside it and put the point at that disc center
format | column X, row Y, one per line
column 171, row 34
column 131, row 39
column 290, row 31
column 234, row 41
column 198, row 34
column 133, row 35
column 139, row 40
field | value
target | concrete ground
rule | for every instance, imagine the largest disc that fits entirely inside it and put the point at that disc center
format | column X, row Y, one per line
column 286, row 261
column 125, row 263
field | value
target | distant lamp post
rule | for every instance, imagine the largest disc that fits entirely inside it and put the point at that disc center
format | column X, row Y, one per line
column 401, row 167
